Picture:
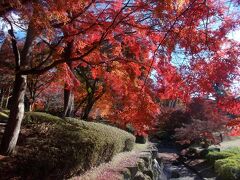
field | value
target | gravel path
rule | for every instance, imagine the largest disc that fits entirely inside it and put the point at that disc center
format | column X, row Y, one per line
column 233, row 142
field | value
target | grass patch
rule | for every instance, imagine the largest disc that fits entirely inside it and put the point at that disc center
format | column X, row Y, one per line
column 55, row 148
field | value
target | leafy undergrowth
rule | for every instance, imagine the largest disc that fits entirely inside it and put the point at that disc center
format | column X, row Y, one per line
column 53, row 148
column 226, row 163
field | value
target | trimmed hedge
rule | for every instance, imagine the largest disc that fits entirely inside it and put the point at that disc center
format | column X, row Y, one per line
column 226, row 163
column 56, row 148
column 228, row 168
column 216, row 155
column 141, row 139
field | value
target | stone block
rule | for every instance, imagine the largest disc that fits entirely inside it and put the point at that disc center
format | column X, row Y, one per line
column 141, row 176
column 133, row 171
column 126, row 174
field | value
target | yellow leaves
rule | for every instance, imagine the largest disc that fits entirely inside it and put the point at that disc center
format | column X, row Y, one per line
column 168, row 2
column 80, row 45
column 120, row 73
column 176, row 5
column 180, row 4
column 60, row 16
column 118, row 50
column 60, row 50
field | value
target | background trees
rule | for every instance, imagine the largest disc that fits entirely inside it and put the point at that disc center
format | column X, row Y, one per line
column 127, row 49
column 207, row 123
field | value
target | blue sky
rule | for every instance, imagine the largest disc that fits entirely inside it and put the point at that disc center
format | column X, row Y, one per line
column 235, row 35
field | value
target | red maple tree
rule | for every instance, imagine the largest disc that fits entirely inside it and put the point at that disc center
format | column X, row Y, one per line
column 136, row 39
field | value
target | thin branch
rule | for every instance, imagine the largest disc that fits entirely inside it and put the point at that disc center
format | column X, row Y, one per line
column 165, row 36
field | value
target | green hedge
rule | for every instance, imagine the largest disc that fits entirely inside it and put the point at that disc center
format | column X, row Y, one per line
column 228, row 168
column 51, row 147
column 226, row 163
column 215, row 155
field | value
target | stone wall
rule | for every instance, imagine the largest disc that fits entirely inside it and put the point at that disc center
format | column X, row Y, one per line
column 146, row 168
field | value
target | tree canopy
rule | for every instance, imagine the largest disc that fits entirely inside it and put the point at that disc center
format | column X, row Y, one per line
column 120, row 58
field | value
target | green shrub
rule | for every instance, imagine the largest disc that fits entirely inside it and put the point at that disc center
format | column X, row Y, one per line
column 141, row 139
column 235, row 150
column 65, row 147
column 40, row 117
column 226, row 163
column 215, row 155
column 228, row 168
column 213, row 149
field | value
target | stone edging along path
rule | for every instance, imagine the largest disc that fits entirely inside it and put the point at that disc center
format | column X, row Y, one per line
column 139, row 164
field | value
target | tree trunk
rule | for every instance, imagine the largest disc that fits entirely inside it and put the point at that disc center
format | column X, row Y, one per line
column 7, row 98
column 91, row 101
column 27, row 103
column 11, row 132
column 12, row 129
column 68, row 93
column 31, row 107
column 89, row 106
column 1, row 97
column 87, row 111
column 68, row 103
column 6, row 102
